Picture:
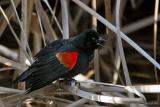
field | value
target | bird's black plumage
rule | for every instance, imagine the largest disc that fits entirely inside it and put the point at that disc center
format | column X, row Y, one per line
column 48, row 66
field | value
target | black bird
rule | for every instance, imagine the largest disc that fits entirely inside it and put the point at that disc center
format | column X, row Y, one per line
column 61, row 59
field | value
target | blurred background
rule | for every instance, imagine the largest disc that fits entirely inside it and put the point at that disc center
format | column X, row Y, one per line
column 26, row 26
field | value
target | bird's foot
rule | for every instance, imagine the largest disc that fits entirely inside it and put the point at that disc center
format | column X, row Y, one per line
column 73, row 82
column 70, row 80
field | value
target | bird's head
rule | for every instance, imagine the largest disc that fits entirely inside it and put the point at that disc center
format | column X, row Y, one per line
column 88, row 40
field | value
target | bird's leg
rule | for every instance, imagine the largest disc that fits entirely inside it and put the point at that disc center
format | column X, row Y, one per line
column 72, row 81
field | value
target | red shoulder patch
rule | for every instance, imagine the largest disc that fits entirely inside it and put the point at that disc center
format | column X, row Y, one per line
column 68, row 59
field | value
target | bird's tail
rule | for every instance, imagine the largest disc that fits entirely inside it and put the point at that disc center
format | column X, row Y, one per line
column 23, row 76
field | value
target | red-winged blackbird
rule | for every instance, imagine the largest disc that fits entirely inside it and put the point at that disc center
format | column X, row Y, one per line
column 61, row 59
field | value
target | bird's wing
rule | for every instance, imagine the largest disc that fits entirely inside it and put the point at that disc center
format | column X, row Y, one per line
column 50, row 49
column 41, row 58
column 43, row 73
column 56, row 67
column 53, row 62
column 68, row 59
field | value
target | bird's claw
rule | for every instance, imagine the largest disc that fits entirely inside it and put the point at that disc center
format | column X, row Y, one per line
column 72, row 81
